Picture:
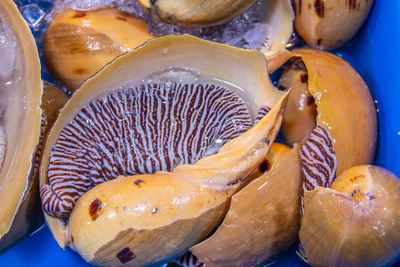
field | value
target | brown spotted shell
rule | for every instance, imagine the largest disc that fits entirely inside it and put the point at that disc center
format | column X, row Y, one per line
column 344, row 106
column 77, row 44
column 196, row 195
column 329, row 24
column 357, row 221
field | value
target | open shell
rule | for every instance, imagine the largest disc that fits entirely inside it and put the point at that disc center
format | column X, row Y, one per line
column 213, row 178
column 279, row 17
column 344, row 106
column 263, row 219
column 195, row 12
column 357, row 220
column 21, row 88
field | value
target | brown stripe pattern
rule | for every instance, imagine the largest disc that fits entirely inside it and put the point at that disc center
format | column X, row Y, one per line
column 141, row 130
column 318, row 159
column 187, row 260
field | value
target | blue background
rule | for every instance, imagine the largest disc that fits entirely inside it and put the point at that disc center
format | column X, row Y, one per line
column 373, row 52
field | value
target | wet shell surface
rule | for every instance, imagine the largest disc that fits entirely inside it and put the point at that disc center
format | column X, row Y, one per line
column 263, row 218
column 344, row 106
column 20, row 89
column 329, row 24
column 168, row 81
column 195, row 12
column 301, row 112
column 77, row 44
column 357, row 220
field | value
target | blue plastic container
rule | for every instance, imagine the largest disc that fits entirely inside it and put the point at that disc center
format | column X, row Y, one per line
column 374, row 52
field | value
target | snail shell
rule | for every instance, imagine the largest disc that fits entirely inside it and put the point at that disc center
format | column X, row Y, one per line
column 357, row 220
column 21, row 89
column 195, row 194
column 329, row 24
column 195, row 12
column 343, row 105
column 77, row 44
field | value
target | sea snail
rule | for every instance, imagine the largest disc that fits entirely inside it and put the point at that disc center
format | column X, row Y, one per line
column 166, row 82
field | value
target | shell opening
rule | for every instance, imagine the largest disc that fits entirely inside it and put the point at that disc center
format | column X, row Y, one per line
column 144, row 127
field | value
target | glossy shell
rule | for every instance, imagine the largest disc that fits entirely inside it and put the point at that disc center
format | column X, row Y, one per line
column 279, row 17
column 357, row 220
column 21, row 88
column 195, row 12
column 329, row 24
column 77, row 44
column 251, row 236
column 344, row 106
column 213, row 178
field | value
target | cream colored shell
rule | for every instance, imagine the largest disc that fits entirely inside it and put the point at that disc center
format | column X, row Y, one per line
column 344, row 106
column 195, row 12
column 19, row 209
column 329, row 24
column 214, row 178
column 262, row 221
column 357, row 221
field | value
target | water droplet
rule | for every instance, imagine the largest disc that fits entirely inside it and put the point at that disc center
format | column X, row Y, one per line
column 164, row 51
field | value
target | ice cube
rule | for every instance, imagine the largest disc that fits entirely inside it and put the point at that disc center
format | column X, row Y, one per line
column 33, row 14
column 7, row 51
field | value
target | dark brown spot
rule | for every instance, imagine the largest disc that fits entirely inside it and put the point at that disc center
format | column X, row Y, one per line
column 310, row 100
column 358, row 176
column 320, row 7
column 81, row 71
column 138, row 182
column 72, row 238
column 309, row 6
column 264, row 166
column 304, row 78
column 319, row 41
column 94, row 209
column 126, row 255
column 79, row 14
column 281, row 87
column 121, row 18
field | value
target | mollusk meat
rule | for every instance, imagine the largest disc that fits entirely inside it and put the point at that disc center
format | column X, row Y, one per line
column 20, row 89
column 162, row 118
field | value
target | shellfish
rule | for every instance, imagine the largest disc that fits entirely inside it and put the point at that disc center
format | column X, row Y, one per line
column 361, row 225
column 170, row 75
column 195, row 12
column 77, row 44
column 343, row 105
column 329, row 24
column 21, row 90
